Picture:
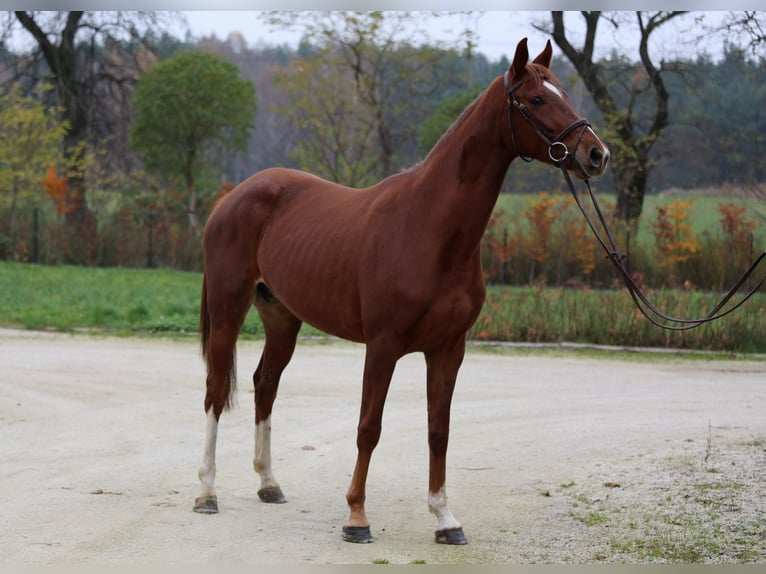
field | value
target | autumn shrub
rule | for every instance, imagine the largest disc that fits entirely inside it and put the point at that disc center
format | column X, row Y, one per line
column 498, row 248
column 675, row 242
column 737, row 245
column 548, row 242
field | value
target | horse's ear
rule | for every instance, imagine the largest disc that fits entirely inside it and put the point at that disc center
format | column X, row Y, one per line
column 520, row 59
column 545, row 57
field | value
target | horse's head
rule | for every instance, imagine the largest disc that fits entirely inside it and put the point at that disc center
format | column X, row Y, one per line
column 542, row 123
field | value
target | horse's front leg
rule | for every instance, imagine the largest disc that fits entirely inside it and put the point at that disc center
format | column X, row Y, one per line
column 378, row 369
column 442, row 367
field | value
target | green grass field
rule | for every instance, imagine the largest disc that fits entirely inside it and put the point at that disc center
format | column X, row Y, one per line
column 66, row 298
column 120, row 301
column 135, row 301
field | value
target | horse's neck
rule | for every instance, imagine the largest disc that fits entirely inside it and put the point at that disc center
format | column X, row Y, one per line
column 462, row 176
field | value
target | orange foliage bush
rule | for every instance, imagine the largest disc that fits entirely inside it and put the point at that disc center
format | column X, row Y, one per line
column 541, row 214
column 673, row 236
column 57, row 188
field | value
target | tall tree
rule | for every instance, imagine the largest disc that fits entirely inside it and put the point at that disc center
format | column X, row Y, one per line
column 188, row 109
column 389, row 74
column 69, row 53
column 635, row 112
column 337, row 132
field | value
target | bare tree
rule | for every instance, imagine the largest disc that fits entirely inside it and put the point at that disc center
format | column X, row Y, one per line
column 635, row 111
column 750, row 26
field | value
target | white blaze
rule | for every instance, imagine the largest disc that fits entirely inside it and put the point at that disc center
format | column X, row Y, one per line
column 553, row 89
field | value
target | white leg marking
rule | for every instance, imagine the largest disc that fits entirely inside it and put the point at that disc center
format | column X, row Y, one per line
column 262, row 458
column 207, row 469
column 437, row 504
column 553, row 89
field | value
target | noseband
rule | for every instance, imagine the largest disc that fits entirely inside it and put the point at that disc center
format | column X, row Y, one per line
column 559, row 152
column 557, row 149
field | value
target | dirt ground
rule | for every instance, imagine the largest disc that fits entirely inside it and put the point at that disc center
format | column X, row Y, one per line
column 551, row 459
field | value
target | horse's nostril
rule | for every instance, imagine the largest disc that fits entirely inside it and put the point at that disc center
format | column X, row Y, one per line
column 596, row 157
column 599, row 157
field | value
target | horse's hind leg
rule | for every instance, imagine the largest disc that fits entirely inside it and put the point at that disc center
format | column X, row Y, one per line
column 281, row 328
column 442, row 369
column 224, row 305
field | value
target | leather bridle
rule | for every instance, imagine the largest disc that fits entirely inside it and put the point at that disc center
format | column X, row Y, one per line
column 558, row 153
column 557, row 149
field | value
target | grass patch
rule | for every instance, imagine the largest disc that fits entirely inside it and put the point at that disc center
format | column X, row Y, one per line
column 605, row 317
column 666, row 546
column 119, row 301
column 125, row 301
column 591, row 518
column 678, row 514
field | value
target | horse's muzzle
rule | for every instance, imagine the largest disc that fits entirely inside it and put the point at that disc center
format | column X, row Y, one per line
column 594, row 162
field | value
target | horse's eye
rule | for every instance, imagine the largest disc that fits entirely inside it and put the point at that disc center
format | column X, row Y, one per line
column 536, row 101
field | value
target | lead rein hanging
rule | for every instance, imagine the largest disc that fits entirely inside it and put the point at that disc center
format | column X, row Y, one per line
column 643, row 304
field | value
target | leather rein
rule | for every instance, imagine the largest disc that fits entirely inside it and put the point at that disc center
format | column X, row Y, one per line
column 559, row 153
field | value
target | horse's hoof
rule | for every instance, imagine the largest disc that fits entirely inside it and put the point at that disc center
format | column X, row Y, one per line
column 206, row 505
column 272, row 494
column 357, row 534
column 451, row 536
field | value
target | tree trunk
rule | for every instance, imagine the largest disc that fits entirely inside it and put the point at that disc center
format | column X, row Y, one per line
column 631, row 164
column 631, row 186
column 62, row 61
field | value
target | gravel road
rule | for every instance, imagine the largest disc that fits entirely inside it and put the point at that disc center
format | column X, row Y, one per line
column 552, row 459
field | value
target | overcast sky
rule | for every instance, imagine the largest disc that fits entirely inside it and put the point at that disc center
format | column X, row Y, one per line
column 498, row 32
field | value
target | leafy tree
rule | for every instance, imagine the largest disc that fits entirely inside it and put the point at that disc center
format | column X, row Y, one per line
column 30, row 141
column 189, row 109
column 69, row 53
column 390, row 80
column 443, row 117
column 337, row 135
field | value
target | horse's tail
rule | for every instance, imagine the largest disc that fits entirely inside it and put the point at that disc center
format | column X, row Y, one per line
column 204, row 319
column 204, row 331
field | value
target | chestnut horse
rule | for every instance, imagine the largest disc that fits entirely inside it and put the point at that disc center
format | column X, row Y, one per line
column 396, row 266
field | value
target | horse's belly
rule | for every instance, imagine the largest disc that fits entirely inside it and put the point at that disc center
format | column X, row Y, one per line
column 314, row 274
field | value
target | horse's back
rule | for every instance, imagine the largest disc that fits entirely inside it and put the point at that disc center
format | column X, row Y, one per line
column 280, row 189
